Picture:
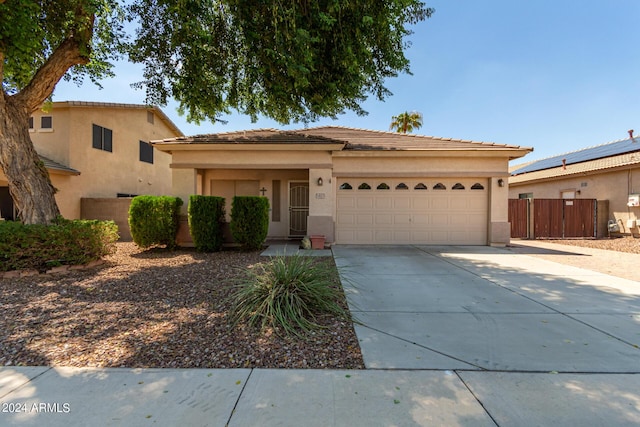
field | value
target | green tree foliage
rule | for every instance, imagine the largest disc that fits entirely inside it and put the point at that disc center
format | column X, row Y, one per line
column 291, row 61
column 406, row 122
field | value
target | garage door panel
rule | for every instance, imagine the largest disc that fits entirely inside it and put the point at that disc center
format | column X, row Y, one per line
column 346, row 219
column 401, row 202
column 384, row 203
column 421, row 202
column 365, row 236
column 421, row 219
column 459, row 220
column 402, row 219
column 364, row 202
column 402, row 236
column 364, row 219
column 384, row 219
column 459, row 203
column 439, row 203
column 440, row 220
column 345, row 203
column 384, row 236
column 412, row 215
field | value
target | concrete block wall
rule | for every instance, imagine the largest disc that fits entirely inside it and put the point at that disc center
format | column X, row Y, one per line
column 114, row 209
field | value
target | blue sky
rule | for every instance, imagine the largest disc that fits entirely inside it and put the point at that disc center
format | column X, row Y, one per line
column 556, row 75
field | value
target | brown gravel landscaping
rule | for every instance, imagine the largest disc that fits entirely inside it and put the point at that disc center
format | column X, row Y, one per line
column 619, row 244
column 153, row 308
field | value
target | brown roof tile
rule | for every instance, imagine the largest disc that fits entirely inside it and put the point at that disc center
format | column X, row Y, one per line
column 354, row 139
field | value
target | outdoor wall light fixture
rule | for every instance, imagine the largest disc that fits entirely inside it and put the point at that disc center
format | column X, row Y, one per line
column 320, row 182
column 501, row 182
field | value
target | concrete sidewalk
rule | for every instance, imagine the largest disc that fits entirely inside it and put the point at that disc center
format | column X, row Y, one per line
column 452, row 336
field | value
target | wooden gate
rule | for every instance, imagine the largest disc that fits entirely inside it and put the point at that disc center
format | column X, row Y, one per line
column 553, row 218
column 519, row 218
column 564, row 218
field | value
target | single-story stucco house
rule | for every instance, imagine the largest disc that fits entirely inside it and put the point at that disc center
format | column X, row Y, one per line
column 355, row 186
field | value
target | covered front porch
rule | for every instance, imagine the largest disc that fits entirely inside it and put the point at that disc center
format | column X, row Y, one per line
column 300, row 199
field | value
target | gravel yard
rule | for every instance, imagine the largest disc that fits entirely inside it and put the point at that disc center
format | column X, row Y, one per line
column 620, row 244
column 155, row 308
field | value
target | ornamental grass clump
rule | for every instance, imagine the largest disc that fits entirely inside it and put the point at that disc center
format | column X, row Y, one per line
column 288, row 294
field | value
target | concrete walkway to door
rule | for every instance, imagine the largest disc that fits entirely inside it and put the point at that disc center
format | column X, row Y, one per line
column 533, row 340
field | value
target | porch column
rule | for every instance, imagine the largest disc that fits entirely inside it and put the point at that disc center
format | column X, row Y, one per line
column 499, row 228
column 321, row 203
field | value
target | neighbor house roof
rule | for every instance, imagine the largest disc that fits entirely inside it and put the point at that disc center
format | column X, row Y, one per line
column 591, row 166
column 56, row 167
column 351, row 139
column 588, row 154
column 616, row 154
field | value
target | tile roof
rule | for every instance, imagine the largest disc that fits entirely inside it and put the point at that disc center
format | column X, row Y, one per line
column 255, row 136
column 363, row 139
column 602, row 151
column 57, row 167
column 352, row 138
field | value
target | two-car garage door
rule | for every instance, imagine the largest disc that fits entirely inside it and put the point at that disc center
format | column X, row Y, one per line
column 412, row 211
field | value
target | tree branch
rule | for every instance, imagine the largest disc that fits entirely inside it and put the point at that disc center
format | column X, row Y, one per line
column 66, row 55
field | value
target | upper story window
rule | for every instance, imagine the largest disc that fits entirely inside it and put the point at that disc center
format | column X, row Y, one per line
column 31, row 126
column 46, row 122
column 146, row 152
column 102, row 138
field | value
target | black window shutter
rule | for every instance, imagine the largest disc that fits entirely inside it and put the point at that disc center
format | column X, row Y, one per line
column 97, row 137
column 108, row 139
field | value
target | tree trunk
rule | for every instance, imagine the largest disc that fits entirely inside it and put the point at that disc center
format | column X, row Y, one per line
column 29, row 183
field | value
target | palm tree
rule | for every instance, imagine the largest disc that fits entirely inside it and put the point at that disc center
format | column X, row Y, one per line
column 406, row 122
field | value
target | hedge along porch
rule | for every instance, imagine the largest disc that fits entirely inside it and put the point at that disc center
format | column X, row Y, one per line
column 353, row 185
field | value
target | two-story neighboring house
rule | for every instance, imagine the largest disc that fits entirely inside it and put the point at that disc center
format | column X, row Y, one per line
column 98, row 150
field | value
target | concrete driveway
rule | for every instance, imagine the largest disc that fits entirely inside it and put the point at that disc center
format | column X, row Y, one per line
column 483, row 308
column 534, row 342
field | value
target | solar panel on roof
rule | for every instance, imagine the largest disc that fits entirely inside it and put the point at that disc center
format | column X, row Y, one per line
column 592, row 153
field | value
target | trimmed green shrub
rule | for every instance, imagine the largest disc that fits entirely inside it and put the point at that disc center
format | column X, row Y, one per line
column 250, row 221
column 154, row 220
column 206, row 216
column 66, row 242
column 288, row 293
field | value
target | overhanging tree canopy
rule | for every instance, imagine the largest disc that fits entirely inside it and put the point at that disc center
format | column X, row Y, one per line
column 294, row 61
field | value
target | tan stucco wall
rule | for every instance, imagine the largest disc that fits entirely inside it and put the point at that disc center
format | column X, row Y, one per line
column 249, row 159
column 103, row 174
column 614, row 186
column 414, row 163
